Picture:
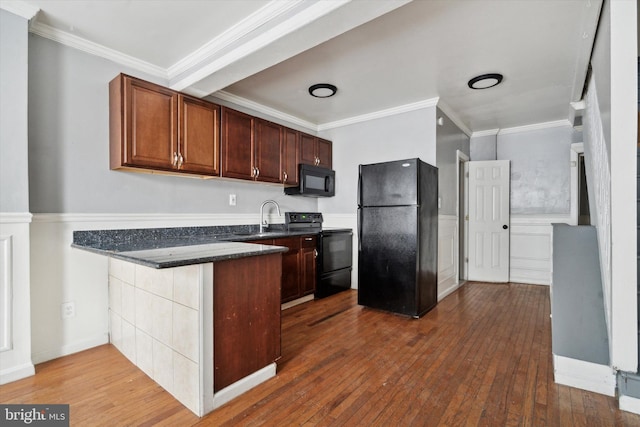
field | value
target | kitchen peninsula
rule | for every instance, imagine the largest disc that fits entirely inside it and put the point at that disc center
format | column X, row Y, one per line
column 196, row 310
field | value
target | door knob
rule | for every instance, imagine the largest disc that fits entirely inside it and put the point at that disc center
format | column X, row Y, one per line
column 504, row 227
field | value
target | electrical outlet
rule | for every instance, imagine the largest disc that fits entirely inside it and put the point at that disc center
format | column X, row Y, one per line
column 67, row 310
column 232, row 199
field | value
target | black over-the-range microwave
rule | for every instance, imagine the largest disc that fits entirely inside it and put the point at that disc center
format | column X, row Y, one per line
column 314, row 182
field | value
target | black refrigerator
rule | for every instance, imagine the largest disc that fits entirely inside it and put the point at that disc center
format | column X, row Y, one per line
column 398, row 236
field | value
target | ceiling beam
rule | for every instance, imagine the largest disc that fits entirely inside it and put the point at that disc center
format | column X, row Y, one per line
column 287, row 32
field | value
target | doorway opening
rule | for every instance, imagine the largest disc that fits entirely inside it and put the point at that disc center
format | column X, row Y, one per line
column 580, row 214
column 584, row 217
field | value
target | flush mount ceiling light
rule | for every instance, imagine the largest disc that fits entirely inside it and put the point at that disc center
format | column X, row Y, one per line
column 485, row 81
column 322, row 90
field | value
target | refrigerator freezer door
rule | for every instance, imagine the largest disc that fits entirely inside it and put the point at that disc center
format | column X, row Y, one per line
column 389, row 184
column 387, row 258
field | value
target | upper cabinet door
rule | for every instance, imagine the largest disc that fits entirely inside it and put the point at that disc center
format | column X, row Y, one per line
column 237, row 144
column 290, row 153
column 199, row 136
column 150, row 131
column 268, row 149
column 308, row 149
column 315, row 151
column 324, row 153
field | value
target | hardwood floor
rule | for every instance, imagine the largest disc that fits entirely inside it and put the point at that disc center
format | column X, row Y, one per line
column 482, row 357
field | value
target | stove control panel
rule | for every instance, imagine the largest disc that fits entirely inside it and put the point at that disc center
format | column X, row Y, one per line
column 302, row 218
column 303, row 221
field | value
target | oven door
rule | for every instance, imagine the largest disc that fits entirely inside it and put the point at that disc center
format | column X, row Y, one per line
column 336, row 250
column 334, row 262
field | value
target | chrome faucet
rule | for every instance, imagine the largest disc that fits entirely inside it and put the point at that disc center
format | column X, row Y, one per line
column 263, row 222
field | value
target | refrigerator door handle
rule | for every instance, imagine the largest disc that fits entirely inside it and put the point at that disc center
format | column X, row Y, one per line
column 359, row 186
column 359, row 230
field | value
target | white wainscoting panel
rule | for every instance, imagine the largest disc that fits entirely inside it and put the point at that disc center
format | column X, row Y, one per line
column 15, row 340
column 531, row 244
column 447, row 255
column 5, row 293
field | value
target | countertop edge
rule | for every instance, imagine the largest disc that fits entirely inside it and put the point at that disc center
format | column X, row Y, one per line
column 252, row 249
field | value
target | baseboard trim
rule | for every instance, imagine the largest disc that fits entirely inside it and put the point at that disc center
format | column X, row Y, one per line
column 245, row 384
column 629, row 404
column 16, row 373
column 69, row 349
column 584, row 375
column 295, row 302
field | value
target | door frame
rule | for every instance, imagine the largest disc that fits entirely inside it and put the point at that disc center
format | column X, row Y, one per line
column 462, row 211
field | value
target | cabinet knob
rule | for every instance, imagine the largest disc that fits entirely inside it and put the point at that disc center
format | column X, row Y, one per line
column 257, row 172
column 175, row 159
column 285, row 176
column 180, row 161
column 315, row 253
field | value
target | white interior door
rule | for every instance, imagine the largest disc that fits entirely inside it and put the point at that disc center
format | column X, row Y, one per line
column 489, row 221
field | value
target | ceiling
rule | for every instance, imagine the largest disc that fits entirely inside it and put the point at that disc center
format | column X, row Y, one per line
column 384, row 56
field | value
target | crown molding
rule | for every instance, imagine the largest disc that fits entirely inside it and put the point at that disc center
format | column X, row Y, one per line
column 79, row 43
column 380, row 114
column 19, row 8
column 488, row 132
column 263, row 16
column 262, row 39
column 535, row 126
column 454, row 118
column 238, row 100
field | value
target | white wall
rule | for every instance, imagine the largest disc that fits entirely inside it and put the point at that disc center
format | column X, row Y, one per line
column 449, row 140
column 14, row 190
column 396, row 137
column 483, row 147
column 15, row 322
column 540, row 173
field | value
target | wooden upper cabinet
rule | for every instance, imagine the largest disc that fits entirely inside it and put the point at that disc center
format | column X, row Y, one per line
column 199, row 136
column 290, row 154
column 143, row 124
column 237, row 144
column 315, row 151
column 268, row 150
column 155, row 128
column 325, row 153
column 152, row 127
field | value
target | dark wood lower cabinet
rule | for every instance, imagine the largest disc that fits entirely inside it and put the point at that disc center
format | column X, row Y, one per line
column 308, row 255
column 290, row 268
column 246, row 317
column 298, row 266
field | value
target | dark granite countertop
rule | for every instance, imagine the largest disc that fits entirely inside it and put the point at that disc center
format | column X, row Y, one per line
column 177, row 256
column 177, row 246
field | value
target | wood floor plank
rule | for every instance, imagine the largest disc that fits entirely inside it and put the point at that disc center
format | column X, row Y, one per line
column 481, row 357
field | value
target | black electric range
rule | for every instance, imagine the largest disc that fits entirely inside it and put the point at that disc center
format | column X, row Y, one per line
column 335, row 256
